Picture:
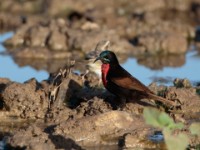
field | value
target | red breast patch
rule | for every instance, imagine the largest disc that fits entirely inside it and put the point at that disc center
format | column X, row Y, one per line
column 104, row 71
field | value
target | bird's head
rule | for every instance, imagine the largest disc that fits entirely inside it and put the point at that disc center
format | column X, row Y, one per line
column 107, row 57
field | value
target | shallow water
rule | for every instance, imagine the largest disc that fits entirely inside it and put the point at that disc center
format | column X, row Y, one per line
column 9, row 69
column 2, row 144
column 189, row 70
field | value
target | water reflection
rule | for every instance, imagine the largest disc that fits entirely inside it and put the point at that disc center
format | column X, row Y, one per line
column 160, row 62
column 5, row 36
column 49, row 65
column 147, row 69
column 166, row 75
column 9, row 69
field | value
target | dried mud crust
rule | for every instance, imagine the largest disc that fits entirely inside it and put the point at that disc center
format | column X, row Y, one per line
column 80, row 116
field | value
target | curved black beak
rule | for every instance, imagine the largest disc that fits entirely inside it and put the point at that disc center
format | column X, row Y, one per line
column 98, row 58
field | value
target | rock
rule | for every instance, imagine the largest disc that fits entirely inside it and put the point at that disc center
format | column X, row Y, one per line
column 7, row 24
column 52, row 34
column 38, row 36
column 162, row 42
column 64, row 87
column 188, row 98
column 174, row 44
column 58, row 41
column 19, row 37
column 23, row 100
column 97, row 129
column 135, row 140
column 93, row 107
column 3, row 83
column 33, row 138
column 118, row 45
column 179, row 83
column 90, row 26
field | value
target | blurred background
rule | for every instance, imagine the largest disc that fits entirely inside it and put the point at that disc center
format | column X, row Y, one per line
column 155, row 40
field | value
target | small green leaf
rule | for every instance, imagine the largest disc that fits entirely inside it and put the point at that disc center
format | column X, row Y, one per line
column 159, row 119
column 173, row 142
column 151, row 117
column 176, row 126
column 165, row 120
column 195, row 129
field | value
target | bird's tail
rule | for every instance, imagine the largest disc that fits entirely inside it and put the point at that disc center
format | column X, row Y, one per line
column 161, row 99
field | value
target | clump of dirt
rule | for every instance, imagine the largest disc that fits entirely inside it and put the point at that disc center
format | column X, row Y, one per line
column 93, row 107
column 7, row 24
column 25, row 100
column 37, row 138
column 99, row 129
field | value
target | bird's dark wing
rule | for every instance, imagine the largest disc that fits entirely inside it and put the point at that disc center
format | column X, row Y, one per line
column 131, row 84
column 125, row 80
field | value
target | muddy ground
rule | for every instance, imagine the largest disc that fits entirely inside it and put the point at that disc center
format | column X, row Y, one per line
column 74, row 111
column 82, row 117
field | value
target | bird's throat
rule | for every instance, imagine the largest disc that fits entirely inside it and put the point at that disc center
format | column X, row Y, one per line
column 104, row 70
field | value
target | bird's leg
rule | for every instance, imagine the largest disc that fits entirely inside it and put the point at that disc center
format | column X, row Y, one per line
column 122, row 103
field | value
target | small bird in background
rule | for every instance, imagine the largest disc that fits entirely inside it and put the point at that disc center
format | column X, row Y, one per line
column 121, row 83
column 92, row 55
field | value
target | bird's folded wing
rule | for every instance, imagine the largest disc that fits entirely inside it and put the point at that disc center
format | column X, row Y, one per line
column 131, row 84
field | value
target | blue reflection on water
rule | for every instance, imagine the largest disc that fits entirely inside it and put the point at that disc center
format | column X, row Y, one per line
column 2, row 145
column 9, row 69
column 5, row 36
column 189, row 70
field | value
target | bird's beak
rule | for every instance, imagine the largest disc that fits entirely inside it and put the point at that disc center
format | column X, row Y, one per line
column 98, row 58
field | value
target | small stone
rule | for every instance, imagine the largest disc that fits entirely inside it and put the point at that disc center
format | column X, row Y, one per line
column 58, row 41
column 180, row 83
column 39, row 36
column 174, row 44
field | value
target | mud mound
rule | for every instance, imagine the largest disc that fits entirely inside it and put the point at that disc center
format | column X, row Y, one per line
column 25, row 100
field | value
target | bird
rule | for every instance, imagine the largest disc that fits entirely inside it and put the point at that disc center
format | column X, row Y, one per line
column 121, row 83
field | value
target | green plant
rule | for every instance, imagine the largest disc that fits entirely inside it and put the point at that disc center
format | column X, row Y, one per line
column 162, row 120
column 173, row 142
column 195, row 129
